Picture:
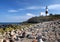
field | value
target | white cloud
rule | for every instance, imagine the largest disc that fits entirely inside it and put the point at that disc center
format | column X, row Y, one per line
column 29, row 14
column 28, row 8
column 21, row 9
column 54, row 6
column 35, row 7
column 12, row 10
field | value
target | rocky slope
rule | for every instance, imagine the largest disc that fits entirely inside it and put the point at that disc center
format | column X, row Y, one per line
column 50, row 30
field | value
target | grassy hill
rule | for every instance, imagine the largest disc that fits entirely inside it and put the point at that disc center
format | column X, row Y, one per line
column 43, row 18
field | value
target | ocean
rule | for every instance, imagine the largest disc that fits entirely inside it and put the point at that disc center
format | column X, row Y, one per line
column 9, row 23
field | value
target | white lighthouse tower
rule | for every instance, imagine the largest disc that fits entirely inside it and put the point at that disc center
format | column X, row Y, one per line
column 46, row 12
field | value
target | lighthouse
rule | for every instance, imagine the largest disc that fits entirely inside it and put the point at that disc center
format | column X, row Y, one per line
column 46, row 12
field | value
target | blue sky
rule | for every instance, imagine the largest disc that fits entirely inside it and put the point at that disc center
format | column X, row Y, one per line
column 22, row 10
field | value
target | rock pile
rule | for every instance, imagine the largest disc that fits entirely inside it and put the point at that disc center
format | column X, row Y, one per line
column 41, row 32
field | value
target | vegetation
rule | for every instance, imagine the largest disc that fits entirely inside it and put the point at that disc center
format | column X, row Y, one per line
column 10, row 27
column 43, row 18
